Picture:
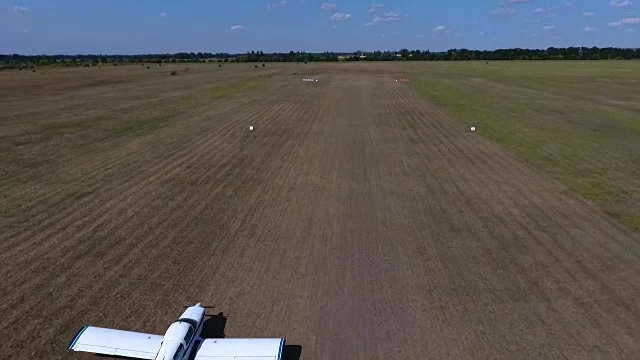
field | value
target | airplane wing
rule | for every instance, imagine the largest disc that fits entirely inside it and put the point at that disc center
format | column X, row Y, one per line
column 240, row 349
column 116, row 342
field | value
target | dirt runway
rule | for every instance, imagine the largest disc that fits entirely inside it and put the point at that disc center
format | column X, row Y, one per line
column 358, row 221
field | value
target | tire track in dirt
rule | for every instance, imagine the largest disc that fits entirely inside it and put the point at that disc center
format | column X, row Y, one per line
column 79, row 205
column 147, row 148
column 421, row 164
column 205, row 81
column 189, row 204
column 178, row 167
column 510, row 163
column 487, row 223
column 496, row 166
column 85, row 109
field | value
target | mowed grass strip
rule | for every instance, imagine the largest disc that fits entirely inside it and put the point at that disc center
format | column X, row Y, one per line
column 176, row 106
column 577, row 121
column 217, row 92
column 42, row 143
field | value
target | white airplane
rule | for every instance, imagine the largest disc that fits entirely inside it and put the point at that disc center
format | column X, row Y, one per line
column 176, row 344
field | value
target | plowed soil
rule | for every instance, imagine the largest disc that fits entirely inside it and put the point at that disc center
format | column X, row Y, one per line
column 357, row 220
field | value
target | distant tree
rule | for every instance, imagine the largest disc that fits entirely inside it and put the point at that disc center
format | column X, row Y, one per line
column 17, row 61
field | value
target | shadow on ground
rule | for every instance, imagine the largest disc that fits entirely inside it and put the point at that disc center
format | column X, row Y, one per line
column 291, row 352
column 213, row 327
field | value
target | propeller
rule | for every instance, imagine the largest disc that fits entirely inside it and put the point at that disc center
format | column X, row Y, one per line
column 202, row 306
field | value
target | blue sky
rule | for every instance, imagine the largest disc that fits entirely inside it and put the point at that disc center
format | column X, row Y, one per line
column 160, row 26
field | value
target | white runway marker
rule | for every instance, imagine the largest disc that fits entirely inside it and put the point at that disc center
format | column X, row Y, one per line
column 250, row 127
column 473, row 128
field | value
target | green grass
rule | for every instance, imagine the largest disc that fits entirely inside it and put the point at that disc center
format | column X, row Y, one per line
column 134, row 127
column 150, row 123
column 577, row 121
column 216, row 92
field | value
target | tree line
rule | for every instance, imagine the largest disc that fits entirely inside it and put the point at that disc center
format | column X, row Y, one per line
column 17, row 61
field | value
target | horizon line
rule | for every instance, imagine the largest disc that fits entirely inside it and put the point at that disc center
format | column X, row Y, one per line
column 313, row 52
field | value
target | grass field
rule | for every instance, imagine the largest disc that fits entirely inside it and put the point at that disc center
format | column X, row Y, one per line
column 359, row 220
column 578, row 121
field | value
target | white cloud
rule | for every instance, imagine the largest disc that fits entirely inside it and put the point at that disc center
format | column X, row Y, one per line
column 552, row 15
column 481, row 33
column 625, row 21
column 520, row 1
column 237, row 27
column 569, row 4
column 274, row 6
column 503, row 11
column 17, row 8
column 340, row 16
column 163, row 14
column 375, row 7
column 388, row 16
column 391, row 16
column 620, row 3
column 328, row 7
column 438, row 28
column 548, row 27
column 589, row 28
column 539, row 10
column 588, row 14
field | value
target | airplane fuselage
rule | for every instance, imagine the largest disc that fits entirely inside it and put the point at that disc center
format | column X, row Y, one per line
column 182, row 334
